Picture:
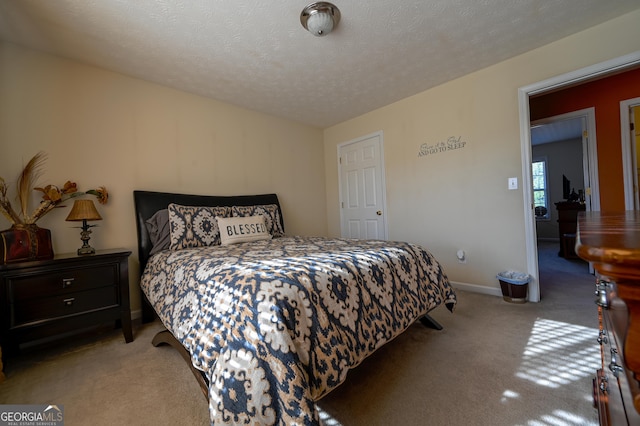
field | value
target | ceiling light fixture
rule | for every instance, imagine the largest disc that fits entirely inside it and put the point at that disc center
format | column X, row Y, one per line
column 320, row 18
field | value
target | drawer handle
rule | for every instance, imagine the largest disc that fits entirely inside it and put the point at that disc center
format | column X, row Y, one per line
column 613, row 365
column 603, row 382
column 603, row 386
column 602, row 338
column 66, row 282
column 69, row 301
column 602, row 299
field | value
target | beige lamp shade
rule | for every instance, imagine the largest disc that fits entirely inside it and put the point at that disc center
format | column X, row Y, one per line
column 83, row 210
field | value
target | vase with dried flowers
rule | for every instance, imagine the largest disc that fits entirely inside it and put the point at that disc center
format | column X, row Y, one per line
column 25, row 240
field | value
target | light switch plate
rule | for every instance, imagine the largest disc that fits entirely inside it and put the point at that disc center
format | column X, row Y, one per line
column 513, row 183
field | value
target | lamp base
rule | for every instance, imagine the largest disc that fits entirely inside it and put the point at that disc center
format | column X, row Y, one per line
column 86, row 250
column 85, row 236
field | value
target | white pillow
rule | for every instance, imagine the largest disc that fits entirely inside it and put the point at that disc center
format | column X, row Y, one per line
column 235, row 230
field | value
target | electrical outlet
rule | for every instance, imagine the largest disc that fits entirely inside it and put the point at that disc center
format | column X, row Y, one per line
column 462, row 256
column 513, row 183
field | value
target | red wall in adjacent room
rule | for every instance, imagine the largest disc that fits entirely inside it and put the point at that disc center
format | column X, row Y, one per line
column 604, row 95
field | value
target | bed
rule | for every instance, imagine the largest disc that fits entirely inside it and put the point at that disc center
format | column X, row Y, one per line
column 270, row 323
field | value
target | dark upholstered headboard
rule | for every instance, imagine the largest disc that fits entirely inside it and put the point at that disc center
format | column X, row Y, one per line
column 147, row 203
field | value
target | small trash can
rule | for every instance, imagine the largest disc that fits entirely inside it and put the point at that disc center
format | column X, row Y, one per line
column 514, row 286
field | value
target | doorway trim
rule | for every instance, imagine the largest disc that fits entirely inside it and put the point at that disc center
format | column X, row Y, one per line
column 574, row 77
column 628, row 154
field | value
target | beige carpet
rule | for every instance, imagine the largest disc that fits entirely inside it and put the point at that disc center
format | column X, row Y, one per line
column 495, row 363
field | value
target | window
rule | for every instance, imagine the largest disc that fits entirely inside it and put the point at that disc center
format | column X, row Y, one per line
column 540, row 194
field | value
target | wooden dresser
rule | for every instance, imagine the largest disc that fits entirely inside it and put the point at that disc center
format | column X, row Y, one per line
column 611, row 242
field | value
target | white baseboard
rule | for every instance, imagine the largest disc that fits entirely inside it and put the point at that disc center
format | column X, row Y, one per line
column 137, row 314
column 474, row 288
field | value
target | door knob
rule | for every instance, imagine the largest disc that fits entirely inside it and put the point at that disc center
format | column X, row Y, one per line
column 379, row 212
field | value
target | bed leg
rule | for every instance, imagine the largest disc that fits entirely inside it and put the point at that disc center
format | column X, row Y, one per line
column 148, row 314
column 165, row 337
column 427, row 321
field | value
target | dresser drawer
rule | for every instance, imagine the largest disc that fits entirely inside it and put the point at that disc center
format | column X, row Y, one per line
column 61, row 282
column 73, row 303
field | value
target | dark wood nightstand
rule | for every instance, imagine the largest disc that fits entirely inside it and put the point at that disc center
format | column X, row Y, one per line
column 567, row 226
column 42, row 299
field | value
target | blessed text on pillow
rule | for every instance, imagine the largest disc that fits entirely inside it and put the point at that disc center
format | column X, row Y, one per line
column 235, row 230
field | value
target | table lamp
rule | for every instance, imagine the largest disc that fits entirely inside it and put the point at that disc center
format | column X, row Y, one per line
column 84, row 210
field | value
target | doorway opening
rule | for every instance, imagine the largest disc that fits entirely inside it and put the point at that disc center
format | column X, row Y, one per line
column 524, row 94
column 565, row 143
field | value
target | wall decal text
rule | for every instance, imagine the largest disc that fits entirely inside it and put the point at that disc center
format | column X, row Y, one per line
column 450, row 144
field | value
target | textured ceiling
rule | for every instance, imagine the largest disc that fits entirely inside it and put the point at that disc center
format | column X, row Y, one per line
column 255, row 54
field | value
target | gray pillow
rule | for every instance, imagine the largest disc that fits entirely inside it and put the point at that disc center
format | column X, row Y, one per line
column 158, row 229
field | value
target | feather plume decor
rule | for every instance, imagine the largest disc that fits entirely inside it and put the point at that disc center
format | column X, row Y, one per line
column 27, row 179
column 52, row 195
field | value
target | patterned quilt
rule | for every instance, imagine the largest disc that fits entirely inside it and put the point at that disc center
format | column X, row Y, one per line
column 277, row 324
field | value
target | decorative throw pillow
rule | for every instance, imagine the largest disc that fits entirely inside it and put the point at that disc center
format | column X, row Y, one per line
column 195, row 226
column 159, row 233
column 235, row 230
column 271, row 214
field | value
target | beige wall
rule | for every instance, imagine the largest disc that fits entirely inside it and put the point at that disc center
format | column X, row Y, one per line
column 459, row 199
column 103, row 128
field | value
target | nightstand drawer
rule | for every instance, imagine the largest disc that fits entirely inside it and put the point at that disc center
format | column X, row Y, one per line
column 60, row 282
column 63, row 305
